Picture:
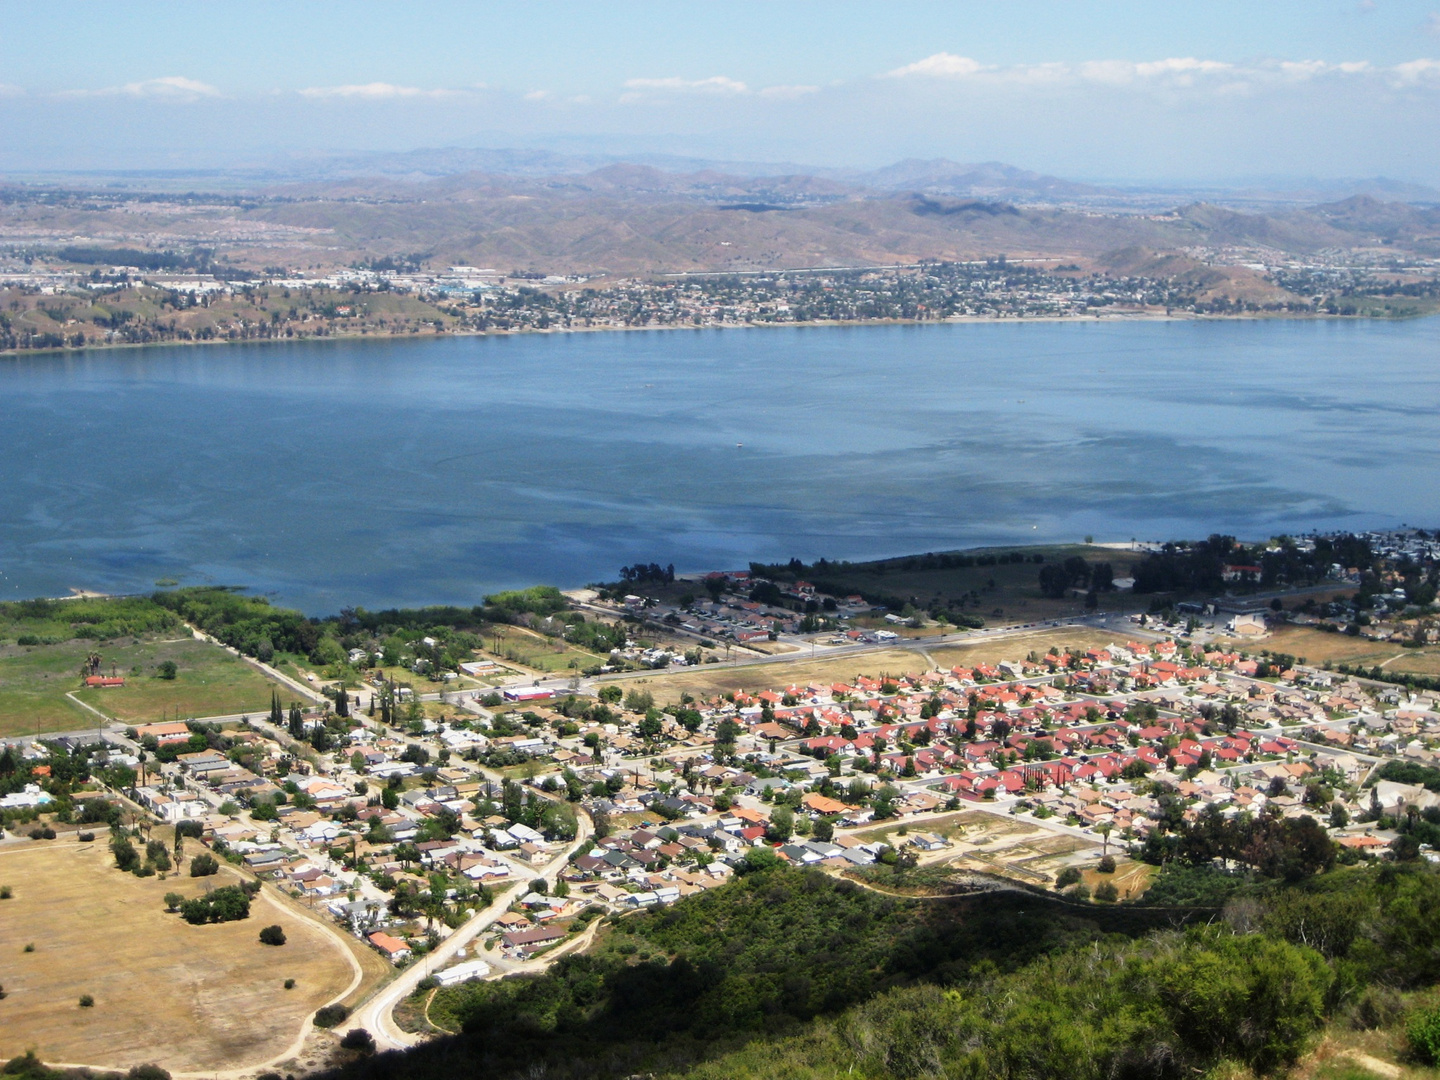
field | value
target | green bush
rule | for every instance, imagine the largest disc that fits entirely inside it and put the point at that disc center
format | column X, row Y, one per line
column 203, row 865
column 360, row 1040
column 1067, row 877
column 1423, row 1033
column 272, row 935
column 330, row 1015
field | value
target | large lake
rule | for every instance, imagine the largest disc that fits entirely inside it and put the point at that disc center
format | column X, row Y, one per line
column 421, row 471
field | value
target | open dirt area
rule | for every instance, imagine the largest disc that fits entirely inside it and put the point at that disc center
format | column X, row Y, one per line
column 1131, row 878
column 982, row 650
column 187, row 998
column 706, row 682
column 993, row 843
column 1319, row 647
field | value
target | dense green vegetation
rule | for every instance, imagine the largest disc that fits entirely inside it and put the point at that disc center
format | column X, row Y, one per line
column 48, row 622
column 1200, row 566
column 254, row 626
column 790, row 973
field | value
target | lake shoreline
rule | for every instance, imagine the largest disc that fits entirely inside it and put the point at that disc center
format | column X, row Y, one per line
column 837, row 324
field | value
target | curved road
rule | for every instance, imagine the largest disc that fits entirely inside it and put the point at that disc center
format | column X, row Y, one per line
column 376, row 1014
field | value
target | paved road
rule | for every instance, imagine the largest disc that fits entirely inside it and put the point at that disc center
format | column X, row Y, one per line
column 376, row 1014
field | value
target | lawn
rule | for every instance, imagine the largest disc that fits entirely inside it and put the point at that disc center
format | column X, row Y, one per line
column 187, row 998
column 209, row 681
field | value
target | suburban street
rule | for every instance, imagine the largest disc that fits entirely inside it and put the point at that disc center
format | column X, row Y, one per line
column 376, row 1015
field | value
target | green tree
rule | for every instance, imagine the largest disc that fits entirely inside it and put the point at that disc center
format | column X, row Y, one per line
column 782, row 824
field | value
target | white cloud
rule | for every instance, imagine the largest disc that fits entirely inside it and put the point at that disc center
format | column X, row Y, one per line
column 942, row 65
column 788, row 91
column 1415, row 71
column 167, row 88
column 1176, row 72
column 375, row 91
column 716, row 84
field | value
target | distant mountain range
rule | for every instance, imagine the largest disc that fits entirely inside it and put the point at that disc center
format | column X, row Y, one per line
column 536, row 210
column 936, row 176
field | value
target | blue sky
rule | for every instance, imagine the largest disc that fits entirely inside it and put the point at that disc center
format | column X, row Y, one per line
column 1109, row 90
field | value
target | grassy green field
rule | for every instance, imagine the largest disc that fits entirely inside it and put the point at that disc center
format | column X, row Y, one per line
column 35, row 682
column 516, row 645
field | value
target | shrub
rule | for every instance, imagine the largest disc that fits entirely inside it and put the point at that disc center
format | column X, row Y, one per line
column 272, row 935
column 330, row 1015
column 1106, row 865
column 1067, row 877
column 5, row 892
column 1376, row 1007
column 147, row 1072
column 1106, row 892
column 86, row 1001
column 85, row 837
column 360, row 1040
column 203, row 865
column 289, row 984
column 1423, row 1032
column 173, row 900
column 29, row 947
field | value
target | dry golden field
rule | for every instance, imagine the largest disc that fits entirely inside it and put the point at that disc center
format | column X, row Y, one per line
column 187, row 998
column 708, row 681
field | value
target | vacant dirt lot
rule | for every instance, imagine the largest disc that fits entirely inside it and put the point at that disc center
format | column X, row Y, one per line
column 706, row 682
column 982, row 650
column 187, row 998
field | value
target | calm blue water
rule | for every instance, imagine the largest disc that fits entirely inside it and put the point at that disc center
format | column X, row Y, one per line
column 410, row 472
